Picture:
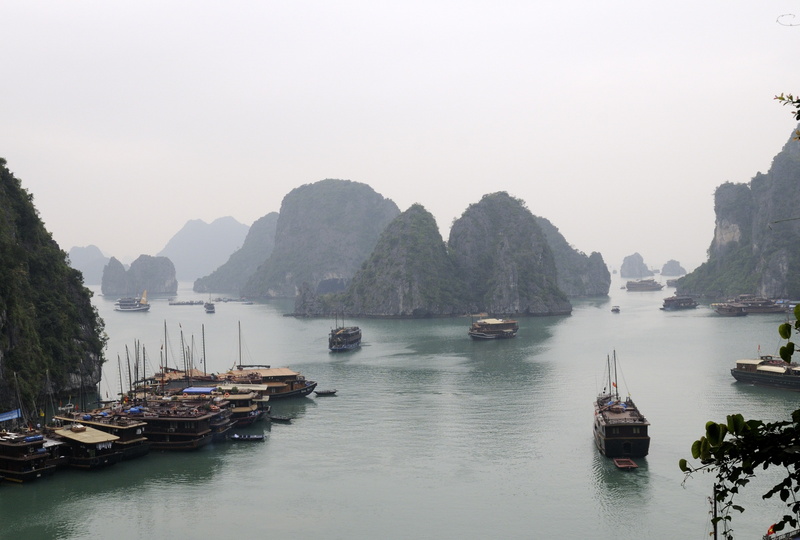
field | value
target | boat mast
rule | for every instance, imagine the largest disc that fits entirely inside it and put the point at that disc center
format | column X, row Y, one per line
column 203, row 334
column 616, row 387
column 240, row 344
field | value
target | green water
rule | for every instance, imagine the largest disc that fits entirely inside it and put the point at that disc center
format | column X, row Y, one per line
column 430, row 435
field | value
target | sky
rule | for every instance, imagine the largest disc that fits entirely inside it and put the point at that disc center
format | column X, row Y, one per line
column 615, row 120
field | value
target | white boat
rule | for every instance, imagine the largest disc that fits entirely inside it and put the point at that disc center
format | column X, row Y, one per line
column 132, row 304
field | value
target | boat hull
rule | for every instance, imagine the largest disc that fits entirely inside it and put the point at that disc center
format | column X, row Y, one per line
column 773, row 380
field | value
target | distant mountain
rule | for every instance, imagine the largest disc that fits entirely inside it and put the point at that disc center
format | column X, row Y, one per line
column 756, row 242
column 257, row 247
column 90, row 261
column 156, row 275
column 672, row 268
column 633, row 267
column 325, row 231
column 199, row 248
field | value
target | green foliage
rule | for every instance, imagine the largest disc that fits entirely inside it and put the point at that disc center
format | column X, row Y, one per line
column 792, row 102
column 48, row 327
column 733, row 451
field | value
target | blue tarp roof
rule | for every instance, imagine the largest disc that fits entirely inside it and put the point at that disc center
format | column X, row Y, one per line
column 199, row 389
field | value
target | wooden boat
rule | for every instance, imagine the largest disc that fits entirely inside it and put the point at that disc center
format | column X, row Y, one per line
column 130, row 441
column 244, row 409
column 325, row 392
column 769, row 371
column 727, row 309
column 643, row 285
column 280, row 382
column 493, row 329
column 625, row 464
column 24, row 457
column 344, row 338
column 209, row 307
column 132, row 304
column 246, row 438
column 757, row 304
column 620, row 429
column 282, row 419
column 678, row 302
column 87, row 447
column 614, row 309
column 172, row 425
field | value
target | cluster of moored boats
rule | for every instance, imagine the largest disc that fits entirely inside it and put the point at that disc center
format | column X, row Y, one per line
column 168, row 411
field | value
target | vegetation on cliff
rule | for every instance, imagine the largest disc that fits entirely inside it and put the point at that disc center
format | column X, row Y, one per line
column 503, row 258
column 325, row 231
column 243, row 263
column 49, row 330
column 578, row 275
column 756, row 235
column 408, row 274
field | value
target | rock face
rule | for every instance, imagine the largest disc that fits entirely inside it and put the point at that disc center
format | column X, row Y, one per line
column 200, row 247
column 578, row 275
column 672, row 268
column 325, row 231
column 503, row 258
column 50, row 335
column 156, row 275
column 90, row 261
column 257, row 247
column 409, row 274
column 633, row 267
column 756, row 244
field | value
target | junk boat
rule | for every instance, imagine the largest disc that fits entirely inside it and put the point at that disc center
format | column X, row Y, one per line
column 344, row 338
column 620, row 429
column 493, row 329
column 767, row 370
column 280, row 382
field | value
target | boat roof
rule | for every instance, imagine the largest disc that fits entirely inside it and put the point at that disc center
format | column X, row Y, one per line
column 772, row 369
column 253, row 387
column 88, row 435
column 199, row 389
column 495, row 321
column 749, row 362
column 265, row 372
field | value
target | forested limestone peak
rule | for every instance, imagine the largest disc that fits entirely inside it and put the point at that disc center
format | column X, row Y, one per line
column 325, row 231
column 51, row 338
column 756, row 240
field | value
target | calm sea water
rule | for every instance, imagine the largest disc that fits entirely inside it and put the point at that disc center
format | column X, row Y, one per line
column 431, row 435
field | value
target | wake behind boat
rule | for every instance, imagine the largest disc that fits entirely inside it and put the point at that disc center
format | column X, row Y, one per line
column 620, row 429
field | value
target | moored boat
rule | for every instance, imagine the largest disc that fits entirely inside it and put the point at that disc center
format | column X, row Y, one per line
column 325, row 392
column 209, row 307
column 23, row 456
column 280, row 382
column 620, row 429
column 132, row 303
column 87, row 447
column 130, row 441
column 493, row 329
column 729, row 309
column 677, row 302
column 614, row 309
column 757, row 304
column 767, row 370
column 626, row 464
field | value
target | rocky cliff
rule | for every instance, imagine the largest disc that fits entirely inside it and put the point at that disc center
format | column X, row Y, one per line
column 51, row 339
column 243, row 263
column 200, row 247
column 409, row 274
column 325, row 231
column 156, row 275
column 503, row 258
column 756, row 243
column 633, row 267
column 578, row 275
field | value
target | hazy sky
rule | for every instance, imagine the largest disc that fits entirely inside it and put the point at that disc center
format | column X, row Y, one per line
column 615, row 120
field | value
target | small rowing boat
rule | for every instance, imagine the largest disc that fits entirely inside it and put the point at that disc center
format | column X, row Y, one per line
column 249, row 438
column 625, row 464
column 325, row 392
